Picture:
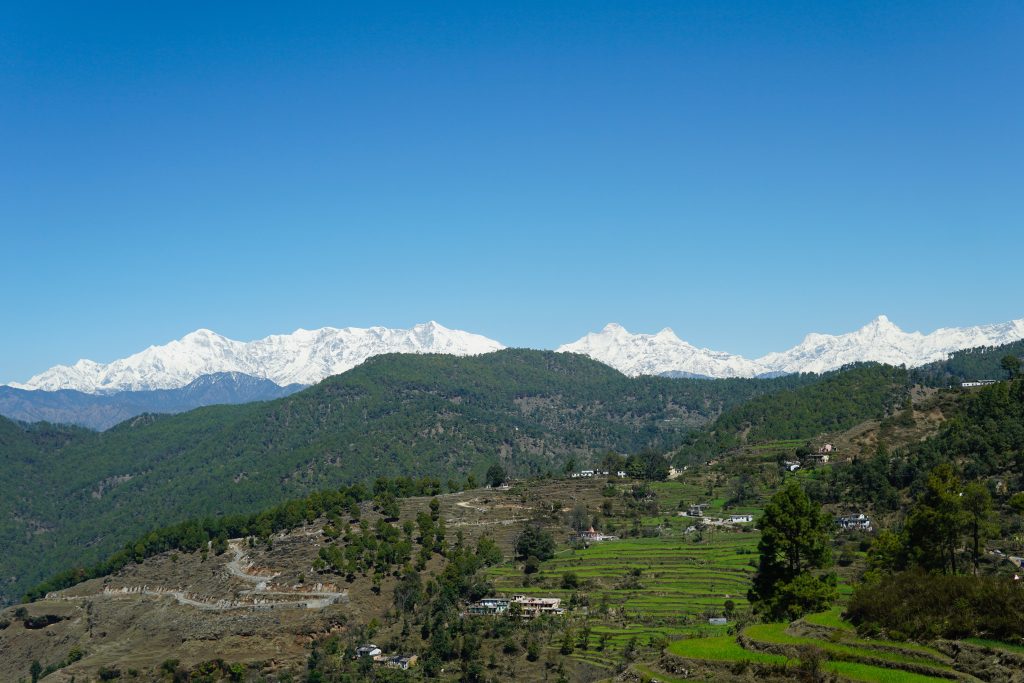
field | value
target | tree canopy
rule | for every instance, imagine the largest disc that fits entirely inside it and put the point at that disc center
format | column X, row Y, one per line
column 795, row 550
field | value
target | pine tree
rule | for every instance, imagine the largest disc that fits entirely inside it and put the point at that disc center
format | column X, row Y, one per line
column 796, row 551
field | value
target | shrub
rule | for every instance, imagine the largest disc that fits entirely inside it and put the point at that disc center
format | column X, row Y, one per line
column 940, row 605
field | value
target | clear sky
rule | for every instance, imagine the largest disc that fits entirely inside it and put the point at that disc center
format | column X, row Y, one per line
column 742, row 172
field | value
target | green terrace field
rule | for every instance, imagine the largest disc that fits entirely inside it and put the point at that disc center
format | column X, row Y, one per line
column 772, row 646
column 852, row 649
column 996, row 645
column 645, row 590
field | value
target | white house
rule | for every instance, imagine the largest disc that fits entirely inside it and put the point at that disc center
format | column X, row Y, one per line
column 591, row 536
column 403, row 662
column 368, row 650
column 741, row 519
column 855, row 522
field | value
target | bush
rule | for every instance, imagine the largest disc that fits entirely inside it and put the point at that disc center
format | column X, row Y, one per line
column 940, row 606
column 536, row 542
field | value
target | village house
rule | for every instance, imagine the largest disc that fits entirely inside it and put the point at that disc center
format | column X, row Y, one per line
column 620, row 474
column 528, row 607
column 978, row 383
column 534, row 607
column 368, row 650
column 827, row 448
column 489, row 606
column 791, row 465
column 855, row 522
column 697, row 510
column 404, row 662
column 592, row 536
column 741, row 519
column 818, row 458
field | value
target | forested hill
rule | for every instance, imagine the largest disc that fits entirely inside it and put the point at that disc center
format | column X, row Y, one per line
column 839, row 401
column 69, row 496
column 984, row 362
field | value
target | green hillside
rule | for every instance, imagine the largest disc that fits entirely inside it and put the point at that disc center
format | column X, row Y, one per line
column 839, row 401
column 983, row 362
column 69, row 496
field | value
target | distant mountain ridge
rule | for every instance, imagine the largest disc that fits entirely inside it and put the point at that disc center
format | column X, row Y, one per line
column 307, row 356
column 102, row 411
column 879, row 341
column 659, row 354
column 883, row 342
column 303, row 357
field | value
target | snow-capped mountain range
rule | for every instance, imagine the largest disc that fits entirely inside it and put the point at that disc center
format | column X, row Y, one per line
column 303, row 357
column 661, row 353
column 880, row 340
column 308, row 356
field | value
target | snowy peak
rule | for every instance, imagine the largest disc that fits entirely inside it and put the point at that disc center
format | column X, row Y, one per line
column 880, row 340
column 655, row 354
column 883, row 341
column 303, row 357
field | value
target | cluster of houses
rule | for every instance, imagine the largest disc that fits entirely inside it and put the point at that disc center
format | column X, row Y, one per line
column 822, row 457
column 371, row 651
column 592, row 536
column 587, row 474
column 855, row 522
column 698, row 510
column 978, row 383
column 527, row 607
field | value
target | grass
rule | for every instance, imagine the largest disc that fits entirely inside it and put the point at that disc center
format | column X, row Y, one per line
column 726, row 649
column 721, row 649
column 831, row 619
column 873, row 674
column 848, row 648
column 996, row 645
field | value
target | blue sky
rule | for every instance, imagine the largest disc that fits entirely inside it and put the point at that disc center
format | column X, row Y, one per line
column 742, row 172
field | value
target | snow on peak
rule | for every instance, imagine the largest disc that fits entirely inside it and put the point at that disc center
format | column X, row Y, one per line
column 653, row 354
column 303, row 357
column 883, row 341
column 880, row 340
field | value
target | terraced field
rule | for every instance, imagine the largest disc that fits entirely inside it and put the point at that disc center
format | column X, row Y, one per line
column 852, row 649
column 644, row 592
column 771, row 646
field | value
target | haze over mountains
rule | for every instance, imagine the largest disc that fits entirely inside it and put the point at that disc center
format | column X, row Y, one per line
column 102, row 411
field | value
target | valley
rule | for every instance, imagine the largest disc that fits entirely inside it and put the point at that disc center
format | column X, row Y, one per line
column 664, row 593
